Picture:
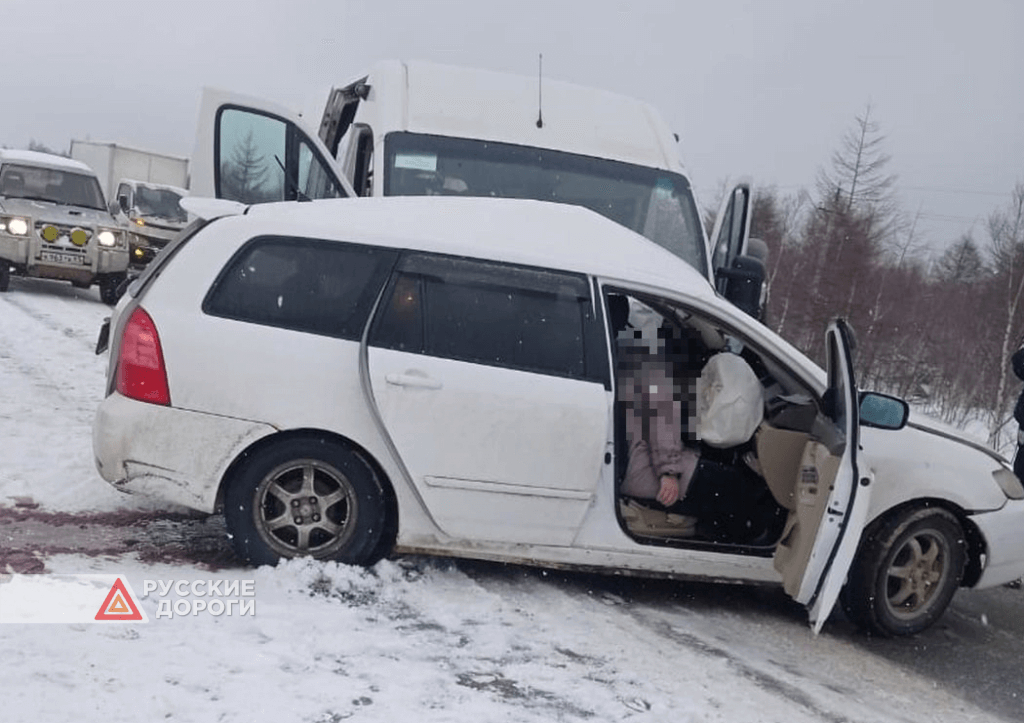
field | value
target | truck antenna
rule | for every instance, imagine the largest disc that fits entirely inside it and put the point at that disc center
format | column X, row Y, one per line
column 540, row 97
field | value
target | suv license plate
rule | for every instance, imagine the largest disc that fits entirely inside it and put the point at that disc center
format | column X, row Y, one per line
column 56, row 257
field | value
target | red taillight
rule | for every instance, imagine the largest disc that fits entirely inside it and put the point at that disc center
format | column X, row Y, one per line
column 140, row 365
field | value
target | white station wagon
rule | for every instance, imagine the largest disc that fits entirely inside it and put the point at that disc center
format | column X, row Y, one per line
column 352, row 378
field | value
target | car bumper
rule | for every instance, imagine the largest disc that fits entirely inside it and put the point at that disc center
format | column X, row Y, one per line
column 1003, row 530
column 171, row 454
column 61, row 262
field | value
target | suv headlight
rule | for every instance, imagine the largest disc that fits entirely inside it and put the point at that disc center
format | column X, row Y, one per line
column 15, row 225
column 110, row 237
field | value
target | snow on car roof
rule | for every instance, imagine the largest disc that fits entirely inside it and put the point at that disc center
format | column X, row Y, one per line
column 534, row 233
column 157, row 186
column 49, row 160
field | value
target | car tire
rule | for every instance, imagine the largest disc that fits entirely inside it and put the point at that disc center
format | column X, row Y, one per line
column 110, row 288
column 5, row 275
column 905, row 574
column 305, row 497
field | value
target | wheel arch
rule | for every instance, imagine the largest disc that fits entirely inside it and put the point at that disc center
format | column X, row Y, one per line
column 974, row 542
column 390, row 532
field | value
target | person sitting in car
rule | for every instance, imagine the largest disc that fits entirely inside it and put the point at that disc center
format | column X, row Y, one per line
column 723, row 498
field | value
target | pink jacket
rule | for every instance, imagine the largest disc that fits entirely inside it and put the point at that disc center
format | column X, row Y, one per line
column 652, row 404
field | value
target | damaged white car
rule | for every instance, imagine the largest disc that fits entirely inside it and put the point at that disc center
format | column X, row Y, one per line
column 348, row 379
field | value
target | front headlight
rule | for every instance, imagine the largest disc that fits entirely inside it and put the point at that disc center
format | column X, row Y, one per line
column 1009, row 483
column 14, row 225
column 110, row 237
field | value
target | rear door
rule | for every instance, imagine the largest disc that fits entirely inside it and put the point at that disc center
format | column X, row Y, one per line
column 253, row 151
column 822, row 534
column 492, row 383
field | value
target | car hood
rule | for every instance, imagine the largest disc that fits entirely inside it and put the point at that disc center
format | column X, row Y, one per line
column 56, row 213
column 931, row 425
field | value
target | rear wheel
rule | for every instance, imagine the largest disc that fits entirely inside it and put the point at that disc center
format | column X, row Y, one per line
column 305, row 497
column 906, row 572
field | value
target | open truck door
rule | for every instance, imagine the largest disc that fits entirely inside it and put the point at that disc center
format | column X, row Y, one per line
column 253, row 151
column 831, row 502
column 739, row 276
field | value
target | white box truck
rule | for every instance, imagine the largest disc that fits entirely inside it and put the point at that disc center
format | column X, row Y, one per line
column 142, row 190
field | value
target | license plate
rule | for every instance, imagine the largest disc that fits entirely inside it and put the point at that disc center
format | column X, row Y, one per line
column 56, row 257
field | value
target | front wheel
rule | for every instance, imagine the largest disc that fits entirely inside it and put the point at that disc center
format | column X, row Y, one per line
column 5, row 275
column 111, row 288
column 305, row 497
column 906, row 572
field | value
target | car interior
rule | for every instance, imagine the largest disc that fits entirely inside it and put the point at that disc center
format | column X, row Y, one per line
column 744, row 494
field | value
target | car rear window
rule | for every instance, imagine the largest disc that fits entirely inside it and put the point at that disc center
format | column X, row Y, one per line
column 322, row 287
column 489, row 313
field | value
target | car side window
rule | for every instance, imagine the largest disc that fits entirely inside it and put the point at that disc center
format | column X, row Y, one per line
column 489, row 313
column 322, row 287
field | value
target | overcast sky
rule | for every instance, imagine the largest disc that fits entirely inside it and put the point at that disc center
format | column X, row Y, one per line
column 764, row 89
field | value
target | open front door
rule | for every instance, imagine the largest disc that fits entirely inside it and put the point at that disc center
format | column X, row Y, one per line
column 739, row 277
column 252, row 151
column 731, row 232
column 823, row 531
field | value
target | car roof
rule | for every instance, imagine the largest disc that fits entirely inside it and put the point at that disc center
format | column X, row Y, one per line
column 533, row 233
column 475, row 103
column 47, row 160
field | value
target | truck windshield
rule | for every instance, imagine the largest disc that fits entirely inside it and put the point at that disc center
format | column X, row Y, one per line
column 159, row 202
column 50, row 184
column 656, row 203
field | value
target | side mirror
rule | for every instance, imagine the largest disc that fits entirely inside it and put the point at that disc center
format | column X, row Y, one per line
column 113, row 208
column 122, row 201
column 883, row 411
column 744, row 284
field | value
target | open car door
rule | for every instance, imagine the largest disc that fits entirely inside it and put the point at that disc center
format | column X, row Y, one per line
column 253, row 151
column 732, row 229
column 831, row 501
column 739, row 277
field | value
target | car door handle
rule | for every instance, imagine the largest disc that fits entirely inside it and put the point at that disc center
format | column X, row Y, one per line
column 412, row 380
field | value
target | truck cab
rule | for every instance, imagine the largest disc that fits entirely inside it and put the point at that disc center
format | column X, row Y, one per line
column 152, row 213
column 418, row 128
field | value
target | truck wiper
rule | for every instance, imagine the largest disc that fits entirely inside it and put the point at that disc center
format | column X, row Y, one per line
column 293, row 183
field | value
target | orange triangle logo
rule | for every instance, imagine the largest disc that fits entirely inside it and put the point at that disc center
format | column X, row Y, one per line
column 118, row 605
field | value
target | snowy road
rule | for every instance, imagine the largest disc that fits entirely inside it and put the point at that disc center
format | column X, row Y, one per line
column 416, row 637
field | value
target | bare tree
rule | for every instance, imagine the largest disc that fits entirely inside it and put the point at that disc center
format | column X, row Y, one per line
column 857, row 177
column 1006, row 230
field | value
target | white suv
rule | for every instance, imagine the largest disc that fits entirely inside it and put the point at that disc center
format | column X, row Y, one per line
column 55, row 225
column 350, row 378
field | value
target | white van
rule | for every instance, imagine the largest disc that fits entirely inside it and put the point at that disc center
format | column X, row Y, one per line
column 417, row 128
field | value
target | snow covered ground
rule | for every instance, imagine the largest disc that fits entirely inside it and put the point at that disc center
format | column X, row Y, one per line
column 411, row 639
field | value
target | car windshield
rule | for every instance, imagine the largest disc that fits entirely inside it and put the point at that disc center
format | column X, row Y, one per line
column 656, row 203
column 50, row 184
column 161, row 202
